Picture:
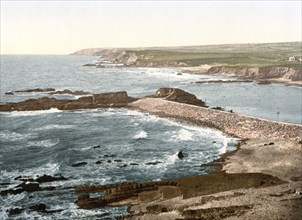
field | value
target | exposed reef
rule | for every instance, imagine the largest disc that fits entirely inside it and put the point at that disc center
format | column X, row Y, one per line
column 103, row 100
column 89, row 101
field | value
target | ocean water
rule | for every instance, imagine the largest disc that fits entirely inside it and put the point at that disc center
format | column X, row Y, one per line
column 49, row 142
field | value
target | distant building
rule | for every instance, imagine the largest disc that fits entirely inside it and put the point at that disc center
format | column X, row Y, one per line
column 295, row 58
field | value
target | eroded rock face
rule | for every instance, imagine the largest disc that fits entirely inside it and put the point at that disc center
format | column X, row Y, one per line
column 178, row 95
column 259, row 73
column 135, row 193
column 112, row 99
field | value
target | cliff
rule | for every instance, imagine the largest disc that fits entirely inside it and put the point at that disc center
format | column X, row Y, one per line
column 285, row 73
column 231, row 60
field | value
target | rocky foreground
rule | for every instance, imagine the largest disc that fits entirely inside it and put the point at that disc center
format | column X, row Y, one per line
column 262, row 179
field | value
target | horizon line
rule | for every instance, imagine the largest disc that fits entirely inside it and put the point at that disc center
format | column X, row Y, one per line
column 136, row 47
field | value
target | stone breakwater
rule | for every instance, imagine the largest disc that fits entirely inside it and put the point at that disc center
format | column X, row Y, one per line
column 230, row 123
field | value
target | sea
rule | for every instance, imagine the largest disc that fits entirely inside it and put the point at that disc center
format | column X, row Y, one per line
column 113, row 145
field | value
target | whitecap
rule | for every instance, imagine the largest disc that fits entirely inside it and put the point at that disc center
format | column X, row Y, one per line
column 141, row 135
column 12, row 136
column 171, row 159
column 31, row 113
column 53, row 126
column 44, row 143
column 181, row 135
column 49, row 169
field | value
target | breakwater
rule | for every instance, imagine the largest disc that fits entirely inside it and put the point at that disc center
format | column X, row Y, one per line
column 230, row 123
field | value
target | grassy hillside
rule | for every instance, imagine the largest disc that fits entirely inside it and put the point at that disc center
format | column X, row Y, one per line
column 234, row 55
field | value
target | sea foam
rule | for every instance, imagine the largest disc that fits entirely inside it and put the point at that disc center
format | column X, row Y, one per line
column 141, row 135
column 31, row 113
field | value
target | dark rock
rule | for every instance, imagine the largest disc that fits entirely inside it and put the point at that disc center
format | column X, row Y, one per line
column 78, row 164
column 11, row 191
column 27, row 187
column 9, row 93
column 133, row 164
column 153, row 163
column 37, row 90
column 49, row 188
column 178, row 95
column 117, row 160
column 113, row 98
column 180, row 155
column 4, row 184
column 46, row 178
column 66, row 91
column 96, row 146
column 104, row 100
column 15, row 211
column 109, row 161
column 24, row 179
column 90, row 64
column 98, row 162
column 125, row 165
column 41, row 207
column 30, row 187
column 271, row 143
column 218, row 108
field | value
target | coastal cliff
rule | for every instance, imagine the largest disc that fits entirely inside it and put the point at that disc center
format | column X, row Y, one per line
column 285, row 73
column 261, row 62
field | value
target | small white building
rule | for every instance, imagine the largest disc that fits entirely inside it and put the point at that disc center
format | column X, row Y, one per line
column 295, row 58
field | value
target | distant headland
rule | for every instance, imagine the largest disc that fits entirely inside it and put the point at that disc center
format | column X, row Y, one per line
column 266, row 63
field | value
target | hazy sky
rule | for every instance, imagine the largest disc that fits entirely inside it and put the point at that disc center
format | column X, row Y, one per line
column 62, row 27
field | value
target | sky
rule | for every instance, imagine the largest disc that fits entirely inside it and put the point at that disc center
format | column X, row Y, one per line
column 63, row 27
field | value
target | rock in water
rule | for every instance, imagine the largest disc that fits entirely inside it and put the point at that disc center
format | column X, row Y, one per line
column 78, row 164
column 180, row 155
column 41, row 207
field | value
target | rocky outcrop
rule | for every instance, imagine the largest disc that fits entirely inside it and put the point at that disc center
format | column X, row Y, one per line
column 67, row 91
column 259, row 73
column 178, row 95
column 135, row 193
column 37, row 90
column 103, row 100
column 50, row 91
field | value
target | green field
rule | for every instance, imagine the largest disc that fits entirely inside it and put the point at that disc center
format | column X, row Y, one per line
column 233, row 55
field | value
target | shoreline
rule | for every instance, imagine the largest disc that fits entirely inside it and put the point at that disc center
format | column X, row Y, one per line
column 279, row 157
column 232, row 124
column 203, row 70
column 262, row 178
